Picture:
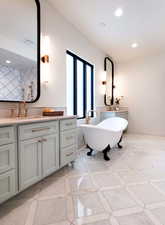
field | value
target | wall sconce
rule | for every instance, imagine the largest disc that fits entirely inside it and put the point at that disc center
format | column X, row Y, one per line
column 104, row 78
column 104, row 82
column 45, row 49
column 45, row 59
column 45, row 52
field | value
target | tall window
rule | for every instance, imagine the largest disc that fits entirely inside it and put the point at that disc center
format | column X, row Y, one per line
column 80, row 86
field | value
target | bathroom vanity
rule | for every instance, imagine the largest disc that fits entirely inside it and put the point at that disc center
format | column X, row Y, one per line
column 31, row 149
column 107, row 114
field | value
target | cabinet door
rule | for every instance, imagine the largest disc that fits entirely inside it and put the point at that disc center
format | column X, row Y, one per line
column 7, row 135
column 50, row 154
column 29, row 162
column 7, row 157
column 67, row 155
column 68, row 124
column 68, row 138
column 7, row 185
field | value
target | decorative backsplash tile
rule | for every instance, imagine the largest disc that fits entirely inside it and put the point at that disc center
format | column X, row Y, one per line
column 10, row 83
column 5, row 109
column 17, row 85
column 29, row 83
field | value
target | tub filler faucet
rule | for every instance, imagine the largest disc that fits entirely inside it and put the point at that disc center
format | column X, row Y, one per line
column 88, row 117
column 22, row 109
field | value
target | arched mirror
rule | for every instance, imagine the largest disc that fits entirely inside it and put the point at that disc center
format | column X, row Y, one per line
column 109, row 93
column 19, row 50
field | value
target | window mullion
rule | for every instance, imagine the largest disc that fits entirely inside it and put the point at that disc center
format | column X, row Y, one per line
column 75, row 87
column 92, row 91
column 83, row 78
column 84, row 89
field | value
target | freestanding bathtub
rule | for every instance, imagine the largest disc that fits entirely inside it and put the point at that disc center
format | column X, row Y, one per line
column 105, row 135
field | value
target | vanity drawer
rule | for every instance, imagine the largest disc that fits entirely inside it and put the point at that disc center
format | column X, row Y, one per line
column 7, row 135
column 68, row 138
column 67, row 155
column 7, row 157
column 7, row 185
column 68, row 124
column 37, row 130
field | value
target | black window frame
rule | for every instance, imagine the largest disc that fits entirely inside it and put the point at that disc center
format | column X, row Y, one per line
column 85, row 64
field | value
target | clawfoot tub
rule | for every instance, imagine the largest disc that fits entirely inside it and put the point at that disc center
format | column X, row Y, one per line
column 105, row 135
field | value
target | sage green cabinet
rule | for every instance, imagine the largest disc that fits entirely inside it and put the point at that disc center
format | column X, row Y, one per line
column 30, row 152
column 29, row 162
column 38, row 157
column 7, row 157
column 68, row 141
column 7, row 135
column 8, row 163
column 50, row 154
column 7, row 185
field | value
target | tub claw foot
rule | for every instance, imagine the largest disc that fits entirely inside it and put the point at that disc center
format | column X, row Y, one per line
column 105, row 152
column 90, row 152
column 118, row 144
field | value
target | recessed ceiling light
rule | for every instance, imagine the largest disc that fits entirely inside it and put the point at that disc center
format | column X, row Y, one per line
column 8, row 61
column 118, row 12
column 134, row 45
column 28, row 42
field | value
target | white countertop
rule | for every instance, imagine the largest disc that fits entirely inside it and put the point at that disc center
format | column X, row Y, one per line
column 31, row 119
column 114, row 111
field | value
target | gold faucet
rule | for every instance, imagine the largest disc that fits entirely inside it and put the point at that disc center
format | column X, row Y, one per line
column 88, row 117
column 22, row 109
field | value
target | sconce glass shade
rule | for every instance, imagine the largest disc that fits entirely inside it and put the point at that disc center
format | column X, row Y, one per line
column 45, row 49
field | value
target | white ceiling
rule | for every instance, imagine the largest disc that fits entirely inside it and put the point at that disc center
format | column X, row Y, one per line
column 143, row 21
column 18, row 62
column 18, row 20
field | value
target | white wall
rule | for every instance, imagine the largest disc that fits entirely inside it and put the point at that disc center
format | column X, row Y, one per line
column 17, row 47
column 64, row 36
column 142, row 82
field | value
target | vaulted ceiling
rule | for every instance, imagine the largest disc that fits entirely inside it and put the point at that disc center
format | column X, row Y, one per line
column 142, row 22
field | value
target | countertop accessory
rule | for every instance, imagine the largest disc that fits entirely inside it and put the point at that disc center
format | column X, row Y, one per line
column 55, row 113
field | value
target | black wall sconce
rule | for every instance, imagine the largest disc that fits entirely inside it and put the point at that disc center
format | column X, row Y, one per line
column 104, row 82
column 113, row 86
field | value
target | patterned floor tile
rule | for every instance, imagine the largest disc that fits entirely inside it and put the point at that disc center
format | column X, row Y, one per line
column 81, row 183
column 87, row 204
column 91, row 192
column 50, row 211
column 135, row 219
column 119, row 199
column 147, row 194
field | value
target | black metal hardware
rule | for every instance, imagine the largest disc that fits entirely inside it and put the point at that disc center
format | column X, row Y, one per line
column 38, row 54
column 75, row 78
column 113, row 86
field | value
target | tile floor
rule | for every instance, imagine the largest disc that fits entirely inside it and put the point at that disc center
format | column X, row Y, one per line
column 127, row 190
